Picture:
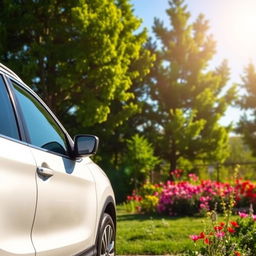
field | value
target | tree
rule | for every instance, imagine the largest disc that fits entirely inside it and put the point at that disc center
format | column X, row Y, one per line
column 188, row 97
column 140, row 159
column 117, row 132
column 247, row 123
column 76, row 54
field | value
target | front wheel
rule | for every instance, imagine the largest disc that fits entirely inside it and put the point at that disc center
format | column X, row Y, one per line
column 107, row 237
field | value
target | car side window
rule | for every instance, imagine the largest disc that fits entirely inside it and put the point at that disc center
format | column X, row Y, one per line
column 43, row 131
column 8, row 124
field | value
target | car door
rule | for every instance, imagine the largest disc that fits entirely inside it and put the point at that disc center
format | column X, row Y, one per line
column 66, row 209
column 17, row 184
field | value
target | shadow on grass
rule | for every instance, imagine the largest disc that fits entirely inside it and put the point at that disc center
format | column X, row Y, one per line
column 141, row 217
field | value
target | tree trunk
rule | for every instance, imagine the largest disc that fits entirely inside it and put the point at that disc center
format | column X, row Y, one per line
column 173, row 161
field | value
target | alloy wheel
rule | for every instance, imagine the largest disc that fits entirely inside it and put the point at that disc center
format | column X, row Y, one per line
column 108, row 242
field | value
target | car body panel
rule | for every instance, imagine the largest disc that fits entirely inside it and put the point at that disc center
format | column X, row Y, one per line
column 104, row 192
column 17, row 198
column 65, row 218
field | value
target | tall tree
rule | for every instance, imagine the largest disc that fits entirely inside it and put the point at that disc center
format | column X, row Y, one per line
column 121, row 125
column 188, row 97
column 76, row 54
column 247, row 123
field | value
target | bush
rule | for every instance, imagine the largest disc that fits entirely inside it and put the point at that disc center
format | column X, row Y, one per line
column 227, row 238
column 146, row 199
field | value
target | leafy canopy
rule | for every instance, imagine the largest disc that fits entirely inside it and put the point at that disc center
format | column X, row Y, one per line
column 76, row 54
column 188, row 96
column 247, row 123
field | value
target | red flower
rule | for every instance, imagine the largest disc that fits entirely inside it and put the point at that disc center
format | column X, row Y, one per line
column 231, row 230
column 202, row 235
column 234, row 224
column 207, row 241
column 237, row 253
column 218, row 228
column 222, row 224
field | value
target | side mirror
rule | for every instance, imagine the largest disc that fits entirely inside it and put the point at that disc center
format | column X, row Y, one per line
column 85, row 145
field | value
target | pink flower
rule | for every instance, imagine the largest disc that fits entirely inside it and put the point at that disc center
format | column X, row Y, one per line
column 193, row 176
column 254, row 217
column 220, row 234
column 129, row 198
column 243, row 214
column 194, row 237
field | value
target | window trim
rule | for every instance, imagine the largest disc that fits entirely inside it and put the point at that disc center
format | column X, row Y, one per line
column 22, row 124
column 14, row 109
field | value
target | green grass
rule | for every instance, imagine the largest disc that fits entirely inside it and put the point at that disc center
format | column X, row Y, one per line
column 155, row 235
column 143, row 234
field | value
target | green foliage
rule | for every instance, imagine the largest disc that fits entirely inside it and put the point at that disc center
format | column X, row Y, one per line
column 241, row 153
column 245, row 236
column 140, row 159
column 79, row 56
column 188, row 99
column 247, row 124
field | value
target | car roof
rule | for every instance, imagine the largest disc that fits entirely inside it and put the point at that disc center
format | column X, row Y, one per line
column 9, row 72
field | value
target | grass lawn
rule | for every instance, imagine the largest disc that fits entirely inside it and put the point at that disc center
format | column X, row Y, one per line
column 143, row 234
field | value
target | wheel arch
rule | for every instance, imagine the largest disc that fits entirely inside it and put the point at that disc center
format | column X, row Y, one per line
column 109, row 208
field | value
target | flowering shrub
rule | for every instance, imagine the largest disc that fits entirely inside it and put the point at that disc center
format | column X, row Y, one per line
column 133, row 203
column 192, row 197
column 146, row 200
column 179, row 198
column 177, row 174
column 245, row 193
column 228, row 238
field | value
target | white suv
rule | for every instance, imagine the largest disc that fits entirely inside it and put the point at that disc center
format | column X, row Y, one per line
column 54, row 200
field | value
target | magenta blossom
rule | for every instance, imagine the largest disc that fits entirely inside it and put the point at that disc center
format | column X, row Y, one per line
column 220, row 234
column 243, row 214
column 194, row 237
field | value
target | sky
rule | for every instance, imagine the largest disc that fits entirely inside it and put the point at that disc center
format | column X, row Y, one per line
column 232, row 24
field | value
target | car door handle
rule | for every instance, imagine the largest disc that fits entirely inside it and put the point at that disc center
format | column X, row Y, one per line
column 46, row 172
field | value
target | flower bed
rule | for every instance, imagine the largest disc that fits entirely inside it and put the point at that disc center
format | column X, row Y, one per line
column 191, row 197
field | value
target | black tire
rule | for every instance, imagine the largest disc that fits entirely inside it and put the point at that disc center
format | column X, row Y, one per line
column 106, row 245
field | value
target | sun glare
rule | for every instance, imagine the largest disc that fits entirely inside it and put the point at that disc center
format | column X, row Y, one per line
column 241, row 18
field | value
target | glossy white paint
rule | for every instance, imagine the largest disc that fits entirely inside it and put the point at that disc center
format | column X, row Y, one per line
column 66, row 209
column 17, row 198
column 103, row 190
